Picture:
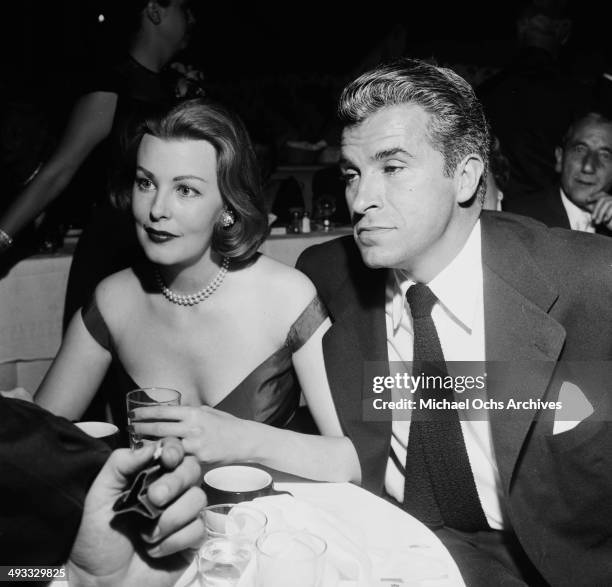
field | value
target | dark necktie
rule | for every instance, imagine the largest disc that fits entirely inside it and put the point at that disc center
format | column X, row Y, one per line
column 439, row 486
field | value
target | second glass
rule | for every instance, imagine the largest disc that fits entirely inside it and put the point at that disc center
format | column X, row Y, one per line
column 286, row 557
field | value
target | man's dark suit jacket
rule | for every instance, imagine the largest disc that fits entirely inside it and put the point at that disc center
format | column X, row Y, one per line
column 46, row 468
column 547, row 297
column 547, row 207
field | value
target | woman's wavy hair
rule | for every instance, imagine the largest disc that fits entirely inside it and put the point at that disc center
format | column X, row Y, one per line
column 237, row 170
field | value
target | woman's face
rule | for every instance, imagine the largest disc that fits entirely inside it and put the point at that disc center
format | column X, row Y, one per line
column 175, row 199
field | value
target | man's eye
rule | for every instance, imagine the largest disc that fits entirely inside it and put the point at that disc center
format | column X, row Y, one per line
column 605, row 156
column 579, row 149
column 348, row 177
column 392, row 169
column 144, row 184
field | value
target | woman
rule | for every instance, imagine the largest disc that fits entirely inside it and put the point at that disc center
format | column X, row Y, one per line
column 207, row 314
column 112, row 99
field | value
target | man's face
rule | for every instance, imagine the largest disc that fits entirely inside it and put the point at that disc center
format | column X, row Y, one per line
column 585, row 163
column 402, row 203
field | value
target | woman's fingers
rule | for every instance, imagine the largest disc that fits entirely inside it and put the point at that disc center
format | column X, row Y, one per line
column 160, row 429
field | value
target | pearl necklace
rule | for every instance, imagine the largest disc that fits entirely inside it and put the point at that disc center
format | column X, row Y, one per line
column 196, row 298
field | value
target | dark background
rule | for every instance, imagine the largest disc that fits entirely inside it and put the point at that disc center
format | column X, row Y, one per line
column 247, row 50
column 44, row 40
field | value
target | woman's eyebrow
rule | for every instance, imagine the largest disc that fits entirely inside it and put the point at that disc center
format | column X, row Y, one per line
column 182, row 177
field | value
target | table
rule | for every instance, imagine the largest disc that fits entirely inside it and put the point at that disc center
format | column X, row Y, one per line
column 32, row 303
column 303, row 174
column 354, row 521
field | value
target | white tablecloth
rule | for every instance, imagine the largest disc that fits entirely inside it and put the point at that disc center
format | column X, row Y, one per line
column 396, row 548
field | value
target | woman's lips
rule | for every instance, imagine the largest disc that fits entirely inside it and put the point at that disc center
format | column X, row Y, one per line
column 159, row 236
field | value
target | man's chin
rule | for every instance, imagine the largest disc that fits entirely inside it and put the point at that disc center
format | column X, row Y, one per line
column 371, row 257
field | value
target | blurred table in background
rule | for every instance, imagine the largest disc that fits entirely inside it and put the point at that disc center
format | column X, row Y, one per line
column 32, row 303
column 31, row 308
column 303, row 174
column 287, row 248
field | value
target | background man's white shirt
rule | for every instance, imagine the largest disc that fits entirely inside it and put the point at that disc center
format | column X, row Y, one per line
column 579, row 219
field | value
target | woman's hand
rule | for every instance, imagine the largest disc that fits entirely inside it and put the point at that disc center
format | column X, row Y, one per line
column 211, row 435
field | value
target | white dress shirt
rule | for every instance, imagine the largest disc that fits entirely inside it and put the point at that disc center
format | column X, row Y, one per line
column 459, row 319
column 579, row 219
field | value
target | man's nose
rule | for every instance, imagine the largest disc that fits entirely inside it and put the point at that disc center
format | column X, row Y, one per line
column 365, row 195
column 590, row 162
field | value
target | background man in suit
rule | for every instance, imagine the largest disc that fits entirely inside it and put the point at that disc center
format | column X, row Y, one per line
column 427, row 276
column 581, row 199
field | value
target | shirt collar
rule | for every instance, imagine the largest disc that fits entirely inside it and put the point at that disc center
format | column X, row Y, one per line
column 579, row 219
column 457, row 286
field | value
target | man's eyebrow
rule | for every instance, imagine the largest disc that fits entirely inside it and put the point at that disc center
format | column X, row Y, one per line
column 344, row 162
column 388, row 153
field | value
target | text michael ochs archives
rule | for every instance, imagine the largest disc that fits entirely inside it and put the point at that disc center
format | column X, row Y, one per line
column 403, row 386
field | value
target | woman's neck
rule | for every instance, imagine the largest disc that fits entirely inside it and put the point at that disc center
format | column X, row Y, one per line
column 192, row 278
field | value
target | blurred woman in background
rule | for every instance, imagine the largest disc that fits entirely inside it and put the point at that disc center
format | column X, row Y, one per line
column 113, row 98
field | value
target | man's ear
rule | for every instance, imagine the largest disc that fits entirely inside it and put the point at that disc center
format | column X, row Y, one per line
column 153, row 12
column 558, row 159
column 468, row 174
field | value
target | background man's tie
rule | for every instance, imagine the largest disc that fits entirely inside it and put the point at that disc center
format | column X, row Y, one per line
column 439, row 487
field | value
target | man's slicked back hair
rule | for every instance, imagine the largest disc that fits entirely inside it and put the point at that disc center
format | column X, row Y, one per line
column 458, row 126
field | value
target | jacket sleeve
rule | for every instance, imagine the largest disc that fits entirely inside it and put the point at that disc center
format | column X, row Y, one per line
column 46, row 468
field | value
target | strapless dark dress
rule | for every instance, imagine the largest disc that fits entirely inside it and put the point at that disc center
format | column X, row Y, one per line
column 269, row 394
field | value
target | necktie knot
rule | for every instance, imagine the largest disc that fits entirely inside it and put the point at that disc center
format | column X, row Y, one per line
column 421, row 300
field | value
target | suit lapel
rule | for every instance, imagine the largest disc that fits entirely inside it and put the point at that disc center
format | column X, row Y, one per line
column 557, row 214
column 357, row 336
column 522, row 341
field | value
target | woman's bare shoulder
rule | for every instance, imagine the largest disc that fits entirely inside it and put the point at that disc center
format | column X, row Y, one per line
column 285, row 288
column 117, row 294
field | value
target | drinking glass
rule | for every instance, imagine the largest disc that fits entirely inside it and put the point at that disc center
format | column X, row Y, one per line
column 231, row 531
column 288, row 557
column 223, row 561
column 144, row 398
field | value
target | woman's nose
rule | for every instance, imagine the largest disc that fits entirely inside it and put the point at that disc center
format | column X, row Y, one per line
column 160, row 206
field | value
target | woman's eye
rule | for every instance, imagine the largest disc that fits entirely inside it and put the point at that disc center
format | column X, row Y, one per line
column 144, row 184
column 187, row 191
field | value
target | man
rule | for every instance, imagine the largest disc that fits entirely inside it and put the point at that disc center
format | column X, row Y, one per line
column 57, row 491
column 582, row 201
column 524, row 504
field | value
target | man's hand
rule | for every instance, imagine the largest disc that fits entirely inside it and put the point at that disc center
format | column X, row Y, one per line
column 600, row 205
column 129, row 550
